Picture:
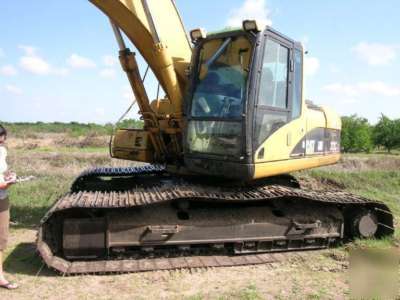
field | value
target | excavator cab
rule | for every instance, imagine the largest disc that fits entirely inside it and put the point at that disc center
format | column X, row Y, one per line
column 216, row 111
column 245, row 86
column 246, row 114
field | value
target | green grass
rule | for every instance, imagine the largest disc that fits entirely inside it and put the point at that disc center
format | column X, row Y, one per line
column 64, row 150
column 73, row 129
column 31, row 200
column 250, row 293
column 375, row 184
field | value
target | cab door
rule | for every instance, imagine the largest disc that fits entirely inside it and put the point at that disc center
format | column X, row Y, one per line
column 278, row 104
column 273, row 104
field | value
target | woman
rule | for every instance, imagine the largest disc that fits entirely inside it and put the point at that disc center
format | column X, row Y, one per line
column 6, row 180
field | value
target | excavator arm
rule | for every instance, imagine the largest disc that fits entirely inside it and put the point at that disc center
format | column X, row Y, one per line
column 156, row 30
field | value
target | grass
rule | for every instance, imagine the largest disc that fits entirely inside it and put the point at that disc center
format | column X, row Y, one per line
column 73, row 129
column 381, row 185
column 250, row 293
column 31, row 200
column 64, row 150
column 376, row 184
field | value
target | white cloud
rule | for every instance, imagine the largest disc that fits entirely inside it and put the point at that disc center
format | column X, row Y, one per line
column 29, row 50
column 343, row 89
column 12, row 89
column 349, row 100
column 363, row 88
column 107, row 73
column 304, row 41
column 8, row 70
column 379, row 88
column 79, row 62
column 250, row 9
column 110, row 60
column 35, row 64
column 311, row 66
column 375, row 54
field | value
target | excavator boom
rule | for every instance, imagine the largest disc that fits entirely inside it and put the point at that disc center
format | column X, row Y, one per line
column 156, row 30
column 149, row 23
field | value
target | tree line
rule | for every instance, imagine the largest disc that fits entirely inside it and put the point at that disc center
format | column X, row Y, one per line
column 74, row 129
column 358, row 135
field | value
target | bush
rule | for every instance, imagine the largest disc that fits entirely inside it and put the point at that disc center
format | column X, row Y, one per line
column 387, row 133
column 356, row 134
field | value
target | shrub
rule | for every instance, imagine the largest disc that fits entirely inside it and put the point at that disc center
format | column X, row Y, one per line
column 356, row 134
column 387, row 133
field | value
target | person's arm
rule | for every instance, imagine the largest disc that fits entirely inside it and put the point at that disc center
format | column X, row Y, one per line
column 10, row 180
column 4, row 185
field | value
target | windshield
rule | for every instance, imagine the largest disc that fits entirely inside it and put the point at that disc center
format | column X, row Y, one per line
column 219, row 97
column 222, row 78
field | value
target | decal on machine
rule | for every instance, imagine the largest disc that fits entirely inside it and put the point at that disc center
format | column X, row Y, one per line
column 318, row 141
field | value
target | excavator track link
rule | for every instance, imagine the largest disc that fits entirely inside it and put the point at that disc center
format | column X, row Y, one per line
column 128, row 172
column 159, row 264
column 169, row 189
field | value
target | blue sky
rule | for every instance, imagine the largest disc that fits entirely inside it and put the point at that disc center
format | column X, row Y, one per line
column 58, row 58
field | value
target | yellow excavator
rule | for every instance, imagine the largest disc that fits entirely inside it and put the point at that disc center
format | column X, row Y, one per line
column 219, row 146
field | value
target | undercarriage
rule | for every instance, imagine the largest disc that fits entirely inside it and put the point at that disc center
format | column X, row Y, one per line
column 140, row 219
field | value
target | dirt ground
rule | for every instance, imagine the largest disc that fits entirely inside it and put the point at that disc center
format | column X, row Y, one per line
column 314, row 275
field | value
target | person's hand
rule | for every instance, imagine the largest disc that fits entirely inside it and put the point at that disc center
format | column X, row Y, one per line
column 5, row 185
column 10, row 178
column 10, row 182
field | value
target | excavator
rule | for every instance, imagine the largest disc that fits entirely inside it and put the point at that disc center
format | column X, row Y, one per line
column 214, row 187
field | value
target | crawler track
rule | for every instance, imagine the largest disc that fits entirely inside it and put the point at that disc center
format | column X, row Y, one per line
column 155, row 187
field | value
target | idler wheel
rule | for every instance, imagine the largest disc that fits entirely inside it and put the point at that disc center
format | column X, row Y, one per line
column 364, row 225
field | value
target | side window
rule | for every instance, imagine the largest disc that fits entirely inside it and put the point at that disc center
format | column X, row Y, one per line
column 267, row 123
column 297, row 84
column 274, row 89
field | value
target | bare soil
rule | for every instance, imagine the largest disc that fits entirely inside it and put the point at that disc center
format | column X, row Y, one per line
column 317, row 275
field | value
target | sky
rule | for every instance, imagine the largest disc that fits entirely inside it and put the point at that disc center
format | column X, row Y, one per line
column 58, row 59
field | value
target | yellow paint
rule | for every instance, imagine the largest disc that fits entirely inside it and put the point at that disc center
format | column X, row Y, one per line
column 132, row 144
column 279, row 146
column 294, row 131
column 130, row 17
column 273, row 168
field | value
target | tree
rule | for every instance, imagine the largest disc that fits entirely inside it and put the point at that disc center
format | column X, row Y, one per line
column 387, row 133
column 356, row 134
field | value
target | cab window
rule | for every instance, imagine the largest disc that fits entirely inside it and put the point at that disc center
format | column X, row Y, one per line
column 274, row 83
column 297, row 84
column 273, row 107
